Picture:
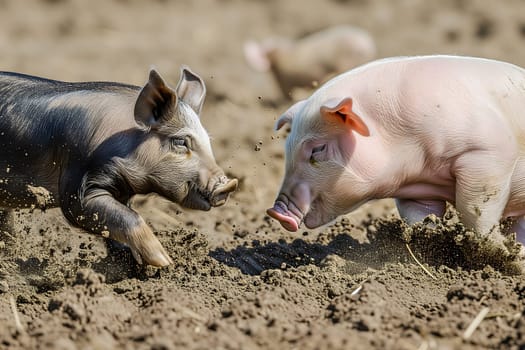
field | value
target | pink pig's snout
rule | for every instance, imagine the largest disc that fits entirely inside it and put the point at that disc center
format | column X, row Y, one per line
column 289, row 210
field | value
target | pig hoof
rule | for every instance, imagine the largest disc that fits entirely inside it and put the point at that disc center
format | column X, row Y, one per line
column 160, row 259
column 147, row 249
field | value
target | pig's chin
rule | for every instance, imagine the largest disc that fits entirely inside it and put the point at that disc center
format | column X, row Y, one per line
column 314, row 219
column 197, row 202
column 319, row 214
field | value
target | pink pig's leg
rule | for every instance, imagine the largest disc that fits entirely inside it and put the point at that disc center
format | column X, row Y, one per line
column 482, row 189
column 413, row 211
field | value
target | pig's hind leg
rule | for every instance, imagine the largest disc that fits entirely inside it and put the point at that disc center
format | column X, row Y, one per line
column 102, row 214
column 413, row 211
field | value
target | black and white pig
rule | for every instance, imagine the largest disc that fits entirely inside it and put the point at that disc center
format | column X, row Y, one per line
column 89, row 147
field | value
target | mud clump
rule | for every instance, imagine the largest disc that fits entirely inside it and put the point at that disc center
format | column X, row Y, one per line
column 447, row 242
column 42, row 197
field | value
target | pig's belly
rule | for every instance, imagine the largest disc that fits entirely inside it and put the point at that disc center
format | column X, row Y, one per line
column 428, row 191
column 446, row 190
column 515, row 206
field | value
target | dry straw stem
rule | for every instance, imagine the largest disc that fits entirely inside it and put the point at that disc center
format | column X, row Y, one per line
column 420, row 264
column 475, row 323
column 18, row 324
column 191, row 314
column 357, row 290
column 359, row 287
column 425, row 345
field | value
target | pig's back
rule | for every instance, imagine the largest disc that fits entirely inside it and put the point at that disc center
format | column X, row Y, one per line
column 39, row 110
column 454, row 103
column 445, row 90
column 475, row 89
column 20, row 83
column 429, row 74
column 447, row 103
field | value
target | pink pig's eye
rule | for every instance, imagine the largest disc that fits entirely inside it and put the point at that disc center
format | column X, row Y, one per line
column 316, row 151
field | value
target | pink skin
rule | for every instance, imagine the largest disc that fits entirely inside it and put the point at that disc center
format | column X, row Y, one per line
column 418, row 129
column 306, row 200
column 286, row 213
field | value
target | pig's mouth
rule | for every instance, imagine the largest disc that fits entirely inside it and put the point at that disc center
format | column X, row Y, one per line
column 290, row 216
column 203, row 199
column 287, row 213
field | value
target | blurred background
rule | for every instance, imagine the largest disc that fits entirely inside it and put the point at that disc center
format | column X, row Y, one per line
column 120, row 39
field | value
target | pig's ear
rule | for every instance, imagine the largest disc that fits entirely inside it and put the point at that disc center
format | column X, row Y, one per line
column 256, row 56
column 342, row 113
column 283, row 120
column 154, row 100
column 288, row 116
column 191, row 89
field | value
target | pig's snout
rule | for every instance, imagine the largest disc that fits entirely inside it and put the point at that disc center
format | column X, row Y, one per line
column 290, row 211
column 221, row 192
column 288, row 220
column 213, row 195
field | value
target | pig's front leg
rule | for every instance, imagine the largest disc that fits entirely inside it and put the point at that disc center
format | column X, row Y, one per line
column 413, row 211
column 99, row 212
column 482, row 190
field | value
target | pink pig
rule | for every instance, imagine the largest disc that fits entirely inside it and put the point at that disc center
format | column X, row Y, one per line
column 313, row 58
column 424, row 130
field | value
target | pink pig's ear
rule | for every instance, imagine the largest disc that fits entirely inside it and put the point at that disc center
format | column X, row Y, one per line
column 288, row 116
column 283, row 120
column 343, row 113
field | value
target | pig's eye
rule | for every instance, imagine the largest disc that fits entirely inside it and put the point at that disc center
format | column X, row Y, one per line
column 318, row 149
column 316, row 152
column 178, row 143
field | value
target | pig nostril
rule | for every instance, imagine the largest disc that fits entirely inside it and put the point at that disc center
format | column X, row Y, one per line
column 221, row 193
column 227, row 187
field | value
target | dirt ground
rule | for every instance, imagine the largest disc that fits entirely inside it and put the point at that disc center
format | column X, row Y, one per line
column 239, row 281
